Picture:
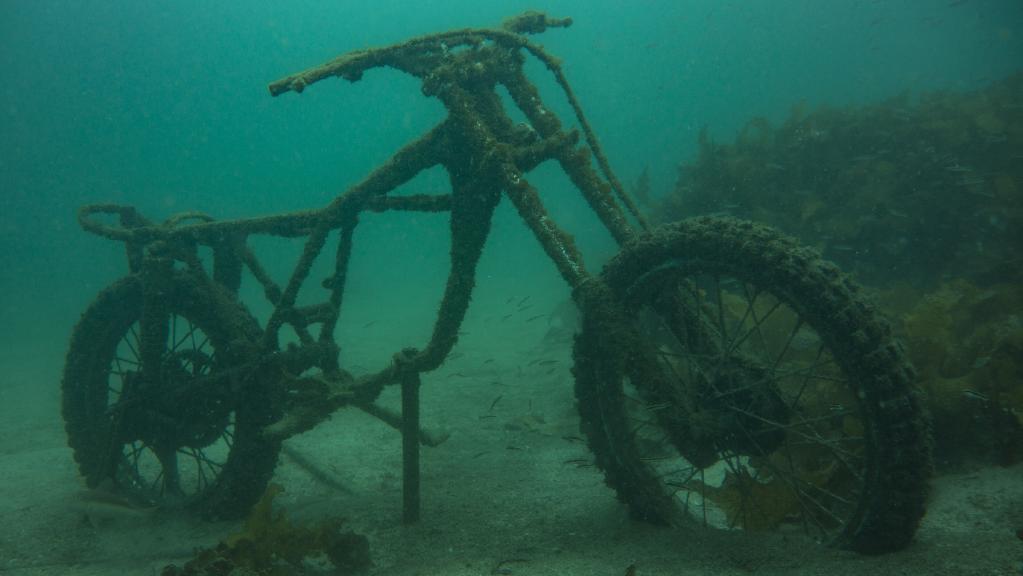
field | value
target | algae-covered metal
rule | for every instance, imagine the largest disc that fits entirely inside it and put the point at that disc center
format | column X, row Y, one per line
column 724, row 374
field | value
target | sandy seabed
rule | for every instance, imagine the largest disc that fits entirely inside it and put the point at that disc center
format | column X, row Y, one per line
column 505, row 494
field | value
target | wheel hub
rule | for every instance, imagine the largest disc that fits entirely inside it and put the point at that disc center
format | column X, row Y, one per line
column 186, row 408
column 740, row 411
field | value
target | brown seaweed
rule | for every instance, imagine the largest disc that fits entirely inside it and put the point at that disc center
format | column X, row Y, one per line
column 915, row 189
column 270, row 544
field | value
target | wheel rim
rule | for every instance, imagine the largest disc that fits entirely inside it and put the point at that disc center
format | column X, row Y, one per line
column 746, row 419
column 169, row 443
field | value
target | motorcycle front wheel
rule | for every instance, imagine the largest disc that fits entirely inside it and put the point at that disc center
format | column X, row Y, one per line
column 728, row 376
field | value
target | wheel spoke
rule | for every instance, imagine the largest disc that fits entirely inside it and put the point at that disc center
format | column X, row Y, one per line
column 806, row 381
column 121, row 359
column 788, row 342
column 793, row 428
column 735, row 341
column 756, row 328
column 744, row 481
column 721, row 311
column 750, row 311
column 777, row 377
column 189, row 335
column 793, row 484
column 134, row 344
column 158, row 481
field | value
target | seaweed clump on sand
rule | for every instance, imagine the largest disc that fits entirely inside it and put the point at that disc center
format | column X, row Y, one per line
column 271, row 545
column 922, row 199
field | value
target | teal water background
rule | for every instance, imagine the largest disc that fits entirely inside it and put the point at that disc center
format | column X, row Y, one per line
column 163, row 105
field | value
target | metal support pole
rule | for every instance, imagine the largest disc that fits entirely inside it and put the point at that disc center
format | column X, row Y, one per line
column 410, row 445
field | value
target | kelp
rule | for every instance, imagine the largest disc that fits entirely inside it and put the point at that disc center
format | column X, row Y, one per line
column 967, row 344
column 271, row 545
column 919, row 189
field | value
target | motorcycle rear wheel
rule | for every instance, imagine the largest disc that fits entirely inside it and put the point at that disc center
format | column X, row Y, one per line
column 197, row 441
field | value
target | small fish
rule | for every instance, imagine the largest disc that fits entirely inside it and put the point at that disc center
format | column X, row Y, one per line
column 531, row 318
column 501, row 567
column 971, row 181
column 494, row 403
column 974, row 395
column 103, row 504
column 547, row 362
column 980, row 193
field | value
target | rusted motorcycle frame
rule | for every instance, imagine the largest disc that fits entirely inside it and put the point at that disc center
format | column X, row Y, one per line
column 676, row 377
